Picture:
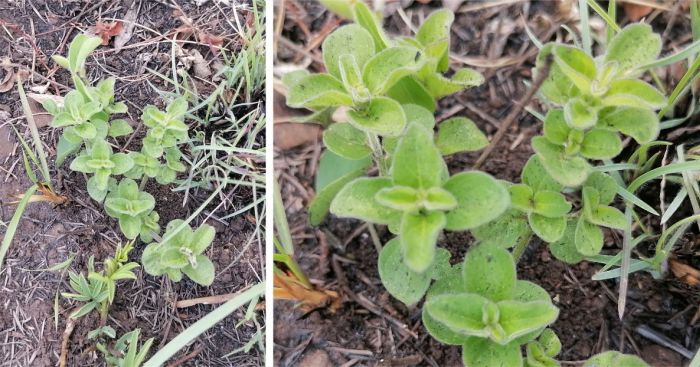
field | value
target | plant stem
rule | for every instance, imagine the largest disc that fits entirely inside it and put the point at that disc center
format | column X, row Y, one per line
column 144, row 181
column 375, row 237
column 377, row 153
column 104, row 307
column 520, row 247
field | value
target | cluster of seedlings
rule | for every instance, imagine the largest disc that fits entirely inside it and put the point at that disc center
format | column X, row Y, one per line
column 117, row 181
column 384, row 164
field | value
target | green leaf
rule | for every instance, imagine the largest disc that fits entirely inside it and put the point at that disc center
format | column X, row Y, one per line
column 344, row 8
column 402, row 198
column 556, row 130
column 352, row 78
column 437, row 198
column 640, row 124
column 521, row 197
column 506, row 230
column 489, row 271
column 565, row 248
column 459, row 134
column 414, row 115
column 85, row 130
column 635, row 45
column 417, row 161
column 383, row 116
column 122, row 163
column 551, row 204
column 410, row 91
column 347, row 40
column 461, row 312
column 568, row 171
column 450, row 282
column 357, row 200
column 535, row 176
column 317, row 91
column 120, row 128
column 634, row 93
column 438, row 86
column 203, row 274
column 480, row 199
column 519, row 318
column 94, row 191
column 334, row 172
column 614, row 359
column 557, row 87
column 550, row 342
column 201, row 239
column 78, row 51
column 419, row 233
column 588, row 238
column 484, row 352
column 536, row 356
column 61, row 61
column 387, row 67
column 607, row 216
column 65, row 148
column 548, row 229
column 346, row 141
column 80, row 163
column 601, row 144
column 372, row 23
column 604, row 184
column 291, row 78
column 130, row 226
column 403, row 283
column 579, row 115
column 576, row 65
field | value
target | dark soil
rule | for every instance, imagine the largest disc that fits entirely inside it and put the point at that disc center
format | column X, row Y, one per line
column 47, row 234
column 588, row 321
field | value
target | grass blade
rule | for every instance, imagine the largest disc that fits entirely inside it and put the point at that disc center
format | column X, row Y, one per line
column 204, row 324
column 14, row 222
column 660, row 171
column 38, row 145
column 281, row 224
column 585, row 27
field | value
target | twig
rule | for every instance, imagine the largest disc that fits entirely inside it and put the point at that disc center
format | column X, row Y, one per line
column 70, row 325
column 541, row 76
column 208, row 300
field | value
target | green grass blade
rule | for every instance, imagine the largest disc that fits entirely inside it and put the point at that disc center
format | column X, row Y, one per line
column 632, row 198
column 14, row 222
column 683, row 54
column 281, row 224
column 204, row 324
column 660, row 171
column 603, row 14
column 585, row 27
column 685, row 81
column 38, row 145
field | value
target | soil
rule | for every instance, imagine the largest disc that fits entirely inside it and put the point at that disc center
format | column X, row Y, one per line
column 48, row 234
column 588, row 321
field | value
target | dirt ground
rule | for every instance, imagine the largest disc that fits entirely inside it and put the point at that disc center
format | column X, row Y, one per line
column 340, row 254
column 30, row 32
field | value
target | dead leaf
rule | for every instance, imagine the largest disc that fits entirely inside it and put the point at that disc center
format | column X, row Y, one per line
column 8, row 81
column 684, row 272
column 108, row 30
column 287, row 287
column 130, row 19
column 200, row 66
column 47, row 195
column 214, row 42
column 635, row 12
column 40, row 98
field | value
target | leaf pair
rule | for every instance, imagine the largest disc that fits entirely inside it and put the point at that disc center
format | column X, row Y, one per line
column 165, row 129
column 181, row 252
column 419, row 199
column 484, row 308
column 101, row 161
column 134, row 210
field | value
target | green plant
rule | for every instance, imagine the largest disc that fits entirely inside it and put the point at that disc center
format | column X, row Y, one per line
column 181, row 253
column 102, row 163
column 613, row 358
column 483, row 307
column 98, row 290
column 126, row 351
column 134, row 210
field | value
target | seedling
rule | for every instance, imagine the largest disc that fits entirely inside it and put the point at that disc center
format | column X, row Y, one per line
column 482, row 306
column 126, row 351
column 165, row 129
column 600, row 97
column 98, row 290
column 134, row 210
column 613, row 358
column 182, row 253
column 100, row 161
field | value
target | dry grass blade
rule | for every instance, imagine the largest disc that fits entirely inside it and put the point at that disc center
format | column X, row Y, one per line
column 288, row 287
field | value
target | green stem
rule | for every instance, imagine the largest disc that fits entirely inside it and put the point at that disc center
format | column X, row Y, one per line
column 377, row 153
column 375, row 237
column 520, row 247
column 144, row 181
column 104, row 307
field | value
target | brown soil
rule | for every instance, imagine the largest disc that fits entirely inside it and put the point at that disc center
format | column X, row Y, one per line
column 47, row 234
column 588, row 321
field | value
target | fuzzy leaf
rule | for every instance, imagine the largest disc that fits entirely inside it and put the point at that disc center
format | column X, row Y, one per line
column 551, row 204
column 579, row 115
column 383, row 116
column 480, row 199
column 640, row 124
column 601, row 144
column 402, row 198
column 568, row 171
column 346, row 141
column 334, row 172
column 519, row 318
column 318, row 90
column 484, row 352
column 614, row 359
column 548, row 229
column 459, row 134
column 347, row 40
column 490, row 272
column 535, row 176
column 576, row 65
column 604, row 184
column 634, row 93
column 439, row 86
column 419, row 233
column 506, row 230
column 119, row 128
column 635, row 45
column 203, row 274
column 521, row 197
column 409, row 91
column 372, row 23
column 556, row 129
column 386, row 68
column 588, row 238
column 437, row 198
column 357, row 200
column 461, row 312
column 608, row 216
column 565, row 248
column 417, row 161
